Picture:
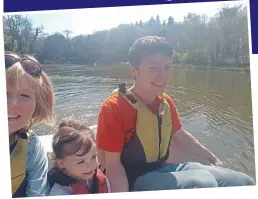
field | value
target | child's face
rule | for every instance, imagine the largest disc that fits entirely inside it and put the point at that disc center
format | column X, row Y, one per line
column 21, row 104
column 81, row 168
column 153, row 73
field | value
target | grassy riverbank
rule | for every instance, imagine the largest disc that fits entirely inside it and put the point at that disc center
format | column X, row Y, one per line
column 187, row 66
column 217, row 68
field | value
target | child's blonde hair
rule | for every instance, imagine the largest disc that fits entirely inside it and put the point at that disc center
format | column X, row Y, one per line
column 43, row 87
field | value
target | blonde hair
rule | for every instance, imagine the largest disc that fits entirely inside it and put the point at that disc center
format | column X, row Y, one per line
column 44, row 92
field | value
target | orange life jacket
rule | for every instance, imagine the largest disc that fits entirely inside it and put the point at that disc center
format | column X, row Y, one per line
column 80, row 188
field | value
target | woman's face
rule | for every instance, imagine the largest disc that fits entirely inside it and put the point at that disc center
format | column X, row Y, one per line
column 21, row 105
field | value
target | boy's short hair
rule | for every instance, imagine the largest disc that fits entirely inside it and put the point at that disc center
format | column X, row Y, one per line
column 146, row 46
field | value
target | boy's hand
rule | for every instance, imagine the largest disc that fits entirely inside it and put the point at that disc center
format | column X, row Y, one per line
column 216, row 162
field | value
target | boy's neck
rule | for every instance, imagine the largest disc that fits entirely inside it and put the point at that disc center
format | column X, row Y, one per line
column 145, row 97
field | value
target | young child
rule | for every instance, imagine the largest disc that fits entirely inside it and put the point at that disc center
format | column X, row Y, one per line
column 76, row 168
column 30, row 101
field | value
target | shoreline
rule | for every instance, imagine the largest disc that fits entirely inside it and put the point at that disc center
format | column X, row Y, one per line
column 216, row 68
column 187, row 66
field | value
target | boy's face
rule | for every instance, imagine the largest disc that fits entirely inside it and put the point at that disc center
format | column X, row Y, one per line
column 153, row 73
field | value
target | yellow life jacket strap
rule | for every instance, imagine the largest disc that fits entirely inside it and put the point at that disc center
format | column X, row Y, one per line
column 18, row 158
column 129, row 97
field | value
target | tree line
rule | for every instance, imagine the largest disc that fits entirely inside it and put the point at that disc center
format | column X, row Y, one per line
column 220, row 40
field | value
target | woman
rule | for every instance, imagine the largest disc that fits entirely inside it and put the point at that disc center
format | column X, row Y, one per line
column 30, row 99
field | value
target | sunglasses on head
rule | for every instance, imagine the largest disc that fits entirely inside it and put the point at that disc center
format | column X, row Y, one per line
column 30, row 66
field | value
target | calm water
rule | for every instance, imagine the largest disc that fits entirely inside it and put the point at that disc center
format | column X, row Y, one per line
column 214, row 106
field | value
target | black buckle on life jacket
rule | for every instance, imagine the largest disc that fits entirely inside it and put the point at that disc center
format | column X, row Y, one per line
column 24, row 135
column 104, row 170
column 129, row 96
column 122, row 88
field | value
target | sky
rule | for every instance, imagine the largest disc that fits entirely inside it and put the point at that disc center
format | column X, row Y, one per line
column 89, row 20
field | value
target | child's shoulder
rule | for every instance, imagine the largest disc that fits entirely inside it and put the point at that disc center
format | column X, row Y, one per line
column 105, row 182
column 57, row 176
column 59, row 182
column 57, row 190
column 108, row 185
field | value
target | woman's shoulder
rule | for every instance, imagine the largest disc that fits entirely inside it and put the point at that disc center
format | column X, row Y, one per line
column 36, row 154
column 34, row 143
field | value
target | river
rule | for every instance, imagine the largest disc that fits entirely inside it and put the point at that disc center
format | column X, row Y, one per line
column 215, row 106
